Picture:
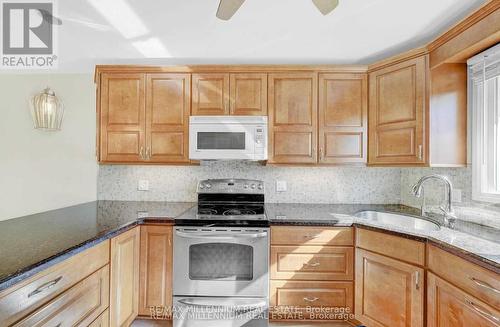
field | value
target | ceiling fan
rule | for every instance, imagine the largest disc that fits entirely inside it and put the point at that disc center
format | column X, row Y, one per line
column 227, row 8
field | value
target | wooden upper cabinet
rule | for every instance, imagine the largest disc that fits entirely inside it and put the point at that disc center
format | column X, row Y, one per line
column 389, row 293
column 124, row 278
column 122, row 117
column 293, row 113
column 168, row 99
column 248, row 94
column 398, row 110
column 210, row 94
column 343, row 109
column 450, row 306
column 155, row 268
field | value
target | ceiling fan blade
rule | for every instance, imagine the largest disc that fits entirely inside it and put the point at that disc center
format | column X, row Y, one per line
column 227, row 8
column 326, row 6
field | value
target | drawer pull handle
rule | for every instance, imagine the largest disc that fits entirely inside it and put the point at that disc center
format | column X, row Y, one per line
column 484, row 285
column 311, row 237
column 314, row 299
column 315, row 264
column 45, row 286
column 417, row 280
column 481, row 311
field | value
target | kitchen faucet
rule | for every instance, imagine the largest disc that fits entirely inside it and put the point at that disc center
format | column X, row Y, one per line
column 449, row 214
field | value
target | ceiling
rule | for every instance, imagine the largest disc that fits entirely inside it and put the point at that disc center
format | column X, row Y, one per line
column 262, row 31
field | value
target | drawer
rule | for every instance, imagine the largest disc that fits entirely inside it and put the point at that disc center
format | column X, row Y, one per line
column 392, row 246
column 78, row 306
column 312, row 262
column 288, row 235
column 479, row 282
column 102, row 320
column 23, row 298
column 305, row 295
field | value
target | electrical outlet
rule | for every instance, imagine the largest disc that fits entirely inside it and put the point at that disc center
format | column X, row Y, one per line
column 456, row 196
column 281, row 186
column 142, row 214
column 143, row 185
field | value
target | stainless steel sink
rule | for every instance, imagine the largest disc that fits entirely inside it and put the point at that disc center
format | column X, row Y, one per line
column 398, row 220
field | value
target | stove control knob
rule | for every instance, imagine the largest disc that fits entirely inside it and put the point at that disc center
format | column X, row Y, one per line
column 260, row 187
column 245, row 186
column 202, row 186
column 208, row 185
column 252, row 186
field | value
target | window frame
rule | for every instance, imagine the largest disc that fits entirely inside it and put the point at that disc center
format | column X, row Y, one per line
column 477, row 111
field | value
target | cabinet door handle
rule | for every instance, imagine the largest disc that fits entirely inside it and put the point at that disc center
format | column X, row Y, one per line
column 417, row 280
column 311, row 237
column 308, row 299
column 321, row 154
column 141, row 153
column 315, row 264
column 481, row 311
column 484, row 285
column 45, row 286
column 148, row 153
column 420, row 152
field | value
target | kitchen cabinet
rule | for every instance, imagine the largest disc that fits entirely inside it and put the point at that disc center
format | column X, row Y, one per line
column 389, row 292
column 311, row 267
column 248, row 93
column 144, row 117
column 398, row 110
column 28, row 298
column 124, row 278
column 210, row 94
column 122, row 131
column 155, row 268
column 343, row 118
column 167, row 117
column 293, row 114
column 447, row 305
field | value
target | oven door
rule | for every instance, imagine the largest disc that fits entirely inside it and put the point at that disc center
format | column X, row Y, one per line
column 221, row 141
column 221, row 262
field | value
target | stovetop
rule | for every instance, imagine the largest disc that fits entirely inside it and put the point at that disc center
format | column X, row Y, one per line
column 227, row 202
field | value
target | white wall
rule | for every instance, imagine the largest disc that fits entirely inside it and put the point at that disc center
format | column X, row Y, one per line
column 40, row 170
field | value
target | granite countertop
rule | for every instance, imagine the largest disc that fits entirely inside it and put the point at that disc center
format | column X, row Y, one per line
column 33, row 243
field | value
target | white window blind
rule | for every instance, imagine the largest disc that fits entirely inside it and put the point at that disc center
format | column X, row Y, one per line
column 484, row 92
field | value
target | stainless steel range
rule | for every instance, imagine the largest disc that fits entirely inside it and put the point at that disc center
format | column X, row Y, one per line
column 221, row 257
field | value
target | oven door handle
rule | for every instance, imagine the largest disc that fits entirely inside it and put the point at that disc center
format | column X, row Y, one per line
column 242, row 309
column 220, row 236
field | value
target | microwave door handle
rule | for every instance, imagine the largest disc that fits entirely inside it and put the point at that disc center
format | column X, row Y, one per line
column 220, row 236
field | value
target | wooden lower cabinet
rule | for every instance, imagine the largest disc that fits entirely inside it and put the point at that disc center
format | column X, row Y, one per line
column 155, row 269
column 448, row 306
column 102, row 320
column 389, row 293
column 124, row 280
column 312, row 300
column 79, row 306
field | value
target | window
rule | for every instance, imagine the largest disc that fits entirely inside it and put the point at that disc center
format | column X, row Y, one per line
column 484, row 94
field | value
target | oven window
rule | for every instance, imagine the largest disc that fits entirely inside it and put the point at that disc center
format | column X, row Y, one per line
column 220, row 261
column 221, row 141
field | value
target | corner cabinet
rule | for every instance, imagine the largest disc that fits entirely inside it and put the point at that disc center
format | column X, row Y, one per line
column 293, row 113
column 143, row 118
column 124, row 278
column 398, row 113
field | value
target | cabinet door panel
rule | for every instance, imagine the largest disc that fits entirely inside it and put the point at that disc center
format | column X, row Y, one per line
column 248, row 94
column 389, row 293
column 124, row 282
column 399, row 114
column 155, row 268
column 293, row 118
column 448, row 306
column 122, row 117
column 210, row 94
column 343, row 122
column 167, row 117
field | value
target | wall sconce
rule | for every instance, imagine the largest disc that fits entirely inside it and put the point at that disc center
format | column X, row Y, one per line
column 47, row 111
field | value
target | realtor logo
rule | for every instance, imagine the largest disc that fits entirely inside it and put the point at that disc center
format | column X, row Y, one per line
column 28, row 35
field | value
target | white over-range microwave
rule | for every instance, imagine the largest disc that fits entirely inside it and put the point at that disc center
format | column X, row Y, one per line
column 228, row 138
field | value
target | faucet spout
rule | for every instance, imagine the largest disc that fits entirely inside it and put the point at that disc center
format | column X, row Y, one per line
column 417, row 189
